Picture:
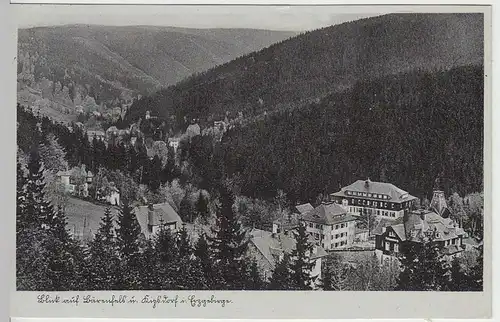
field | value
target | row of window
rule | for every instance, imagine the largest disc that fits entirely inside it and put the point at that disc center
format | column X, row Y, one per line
column 367, row 194
column 337, row 236
column 320, row 226
column 340, row 226
column 391, row 247
column 377, row 204
column 454, row 241
column 378, row 212
column 340, row 244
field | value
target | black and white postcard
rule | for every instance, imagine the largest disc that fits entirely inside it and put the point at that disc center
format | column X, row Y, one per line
column 252, row 161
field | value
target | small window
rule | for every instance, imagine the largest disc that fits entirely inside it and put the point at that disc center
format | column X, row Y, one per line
column 311, row 225
column 370, row 195
column 387, row 246
column 336, row 244
column 336, row 226
column 396, row 248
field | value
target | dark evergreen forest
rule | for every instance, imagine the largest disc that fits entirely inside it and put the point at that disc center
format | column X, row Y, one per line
column 407, row 129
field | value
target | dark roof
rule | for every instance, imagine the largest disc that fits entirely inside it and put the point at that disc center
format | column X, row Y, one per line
column 161, row 213
column 394, row 193
column 328, row 214
column 418, row 224
column 271, row 245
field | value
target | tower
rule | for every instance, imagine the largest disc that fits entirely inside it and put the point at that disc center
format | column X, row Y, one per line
column 438, row 202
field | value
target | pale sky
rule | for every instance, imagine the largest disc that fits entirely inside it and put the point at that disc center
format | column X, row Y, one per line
column 296, row 18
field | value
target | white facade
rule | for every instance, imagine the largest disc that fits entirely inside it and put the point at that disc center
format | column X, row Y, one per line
column 332, row 236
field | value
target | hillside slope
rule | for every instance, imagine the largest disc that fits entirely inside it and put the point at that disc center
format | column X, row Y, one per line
column 314, row 64
column 68, row 63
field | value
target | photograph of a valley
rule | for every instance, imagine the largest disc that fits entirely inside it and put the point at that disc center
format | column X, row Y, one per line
column 304, row 151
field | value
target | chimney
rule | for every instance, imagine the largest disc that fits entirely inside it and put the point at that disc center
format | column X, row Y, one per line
column 367, row 183
column 150, row 215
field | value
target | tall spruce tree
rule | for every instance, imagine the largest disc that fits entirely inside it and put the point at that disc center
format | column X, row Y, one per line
column 228, row 244
column 64, row 256
column 30, row 266
column 202, row 251
column 103, row 255
column 201, row 206
column 128, row 234
column 38, row 210
column 327, row 281
column 423, row 267
column 184, row 244
column 302, row 264
column 282, row 276
column 253, row 277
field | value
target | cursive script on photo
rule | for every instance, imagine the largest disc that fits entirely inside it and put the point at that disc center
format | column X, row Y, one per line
column 154, row 301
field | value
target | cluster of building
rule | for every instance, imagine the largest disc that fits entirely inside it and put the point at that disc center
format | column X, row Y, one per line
column 333, row 224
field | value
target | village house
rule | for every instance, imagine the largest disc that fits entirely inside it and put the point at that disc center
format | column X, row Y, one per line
column 381, row 199
column 268, row 249
column 417, row 226
column 174, row 143
column 331, row 226
column 152, row 218
column 98, row 135
column 76, row 181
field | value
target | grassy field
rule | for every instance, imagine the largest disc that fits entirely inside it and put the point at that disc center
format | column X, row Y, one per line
column 82, row 214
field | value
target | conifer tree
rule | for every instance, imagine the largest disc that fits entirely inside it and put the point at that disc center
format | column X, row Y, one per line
column 186, row 209
column 201, row 206
column 64, row 257
column 326, row 282
column 228, row 244
column 103, row 255
column 253, row 277
column 38, row 210
column 128, row 234
column 477, row 278
column 282, row 276
column 302, row 265
column 184, row 244
column 423, row 268
column 203, row 254
column 30, row 268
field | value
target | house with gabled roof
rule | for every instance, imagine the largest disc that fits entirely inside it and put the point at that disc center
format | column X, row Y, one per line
column 331, row 225
column 154, row 217
column 268, row 249
column 418, row 226
column 381, row 199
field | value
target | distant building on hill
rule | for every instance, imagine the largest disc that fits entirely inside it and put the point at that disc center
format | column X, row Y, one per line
column 381, row 199
column 98, row 135
column 152, row 218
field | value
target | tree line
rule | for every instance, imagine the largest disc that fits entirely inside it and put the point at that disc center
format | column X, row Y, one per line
column 406, row 129
column 120, row 258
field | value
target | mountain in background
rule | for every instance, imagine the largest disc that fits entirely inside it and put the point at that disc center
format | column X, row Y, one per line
column 315, row 64
column 68, row 66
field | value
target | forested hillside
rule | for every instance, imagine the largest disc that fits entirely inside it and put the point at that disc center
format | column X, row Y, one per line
column 67, row 64
column 407, row 129
column 317, row 63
